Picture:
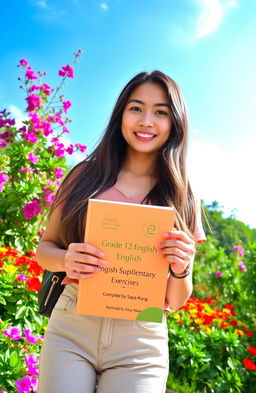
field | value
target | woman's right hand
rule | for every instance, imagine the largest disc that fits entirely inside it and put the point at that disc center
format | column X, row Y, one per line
column 83, row 260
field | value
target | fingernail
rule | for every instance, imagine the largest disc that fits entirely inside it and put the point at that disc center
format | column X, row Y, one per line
column 166, row 234
column 159, row 245
column 101, row 254
column 104, row 262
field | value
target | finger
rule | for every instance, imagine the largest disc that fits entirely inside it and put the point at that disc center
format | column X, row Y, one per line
column 86, row 248
column 180, row 235
column 176, row 244
column 84, row 258
column 83, row 267
column 184, row 256
column 176, row 262
column 78, row 276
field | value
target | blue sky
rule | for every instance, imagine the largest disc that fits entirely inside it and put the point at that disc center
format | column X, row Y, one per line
column 207, row 46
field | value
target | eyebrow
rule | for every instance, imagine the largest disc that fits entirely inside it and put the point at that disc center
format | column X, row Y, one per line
column 143, row 103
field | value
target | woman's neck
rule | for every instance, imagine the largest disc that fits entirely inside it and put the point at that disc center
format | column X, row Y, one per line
column 140, row 165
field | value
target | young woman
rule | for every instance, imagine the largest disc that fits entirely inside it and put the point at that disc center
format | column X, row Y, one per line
column 140, row 159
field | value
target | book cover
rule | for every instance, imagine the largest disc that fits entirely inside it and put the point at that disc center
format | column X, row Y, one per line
column 133, row 283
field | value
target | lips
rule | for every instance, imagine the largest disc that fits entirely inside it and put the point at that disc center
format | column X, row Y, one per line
column 144, row 136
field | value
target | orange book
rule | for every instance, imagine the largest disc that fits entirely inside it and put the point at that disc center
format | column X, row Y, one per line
column 133, row 283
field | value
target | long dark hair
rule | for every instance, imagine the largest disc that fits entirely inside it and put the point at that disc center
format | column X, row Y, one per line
column 100, row 169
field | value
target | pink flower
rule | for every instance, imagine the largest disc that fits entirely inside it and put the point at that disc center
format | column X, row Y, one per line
column 33, row 158
column 46, row 89
column 240, row 250
column 3, row 179
column 58, row 119
column 55, row 140
column 66, row 71
column 35, row 120
column 30, row 74
column 7, row 136
column 46, row 127
column 64, row 129
column 23, row 62
column 30, row 337
column 13, row 333
column 33, row 102
column 60, row 150
column 81, row 148
column 49, row 198
column 70, row 149
column 33, row 370
column 30, row 136
column 31, row 209
column 2, row 144
column 242, row 266
column 66, row 105
column 58, row 173
column 31, row 170
column 31, row 359
column 218, row 274
column 21, row 277
column 27, row 383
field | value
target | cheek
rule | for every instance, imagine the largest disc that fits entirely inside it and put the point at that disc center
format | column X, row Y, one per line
column 126, row 122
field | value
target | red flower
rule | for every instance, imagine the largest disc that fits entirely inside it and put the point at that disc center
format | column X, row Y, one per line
column 33, row 284
column 224, row 324
column 248, row 363
column 22, row 261
column 31, row 253
column 210, row 300
column 252, row 350
column 248, row 332
column 229, row 306
column 233, row 323
column 35, row 269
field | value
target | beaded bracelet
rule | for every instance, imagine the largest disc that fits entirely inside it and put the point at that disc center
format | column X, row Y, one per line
column 184, row 274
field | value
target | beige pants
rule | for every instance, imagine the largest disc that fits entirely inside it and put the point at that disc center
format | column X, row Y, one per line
column 128, row 356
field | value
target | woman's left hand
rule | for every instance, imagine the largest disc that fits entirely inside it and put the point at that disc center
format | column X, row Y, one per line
column 178, row 249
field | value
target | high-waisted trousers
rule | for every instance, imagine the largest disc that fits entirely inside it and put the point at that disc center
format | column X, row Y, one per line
column 81, row 352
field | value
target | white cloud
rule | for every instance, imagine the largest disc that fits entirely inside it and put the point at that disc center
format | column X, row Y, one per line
column 42, row 4
column 211, row 15
column 18, row 115
column 104, row 6
column 225, row 176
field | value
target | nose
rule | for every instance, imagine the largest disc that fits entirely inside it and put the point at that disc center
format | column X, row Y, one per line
column 146, row 120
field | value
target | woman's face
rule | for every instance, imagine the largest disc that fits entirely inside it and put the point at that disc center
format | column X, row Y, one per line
column 147, row 118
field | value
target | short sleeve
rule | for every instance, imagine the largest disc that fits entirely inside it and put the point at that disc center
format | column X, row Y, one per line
column 199, row 234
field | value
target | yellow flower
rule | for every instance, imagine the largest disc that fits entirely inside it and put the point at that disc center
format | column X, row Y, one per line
column 239, row 332
column 10, row 269
column 239, row 323
column 176, row 316
column 199, row 321
column 3, row 250
column 207, row 329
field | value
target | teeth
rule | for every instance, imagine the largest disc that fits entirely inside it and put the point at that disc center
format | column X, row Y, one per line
column 145, row 135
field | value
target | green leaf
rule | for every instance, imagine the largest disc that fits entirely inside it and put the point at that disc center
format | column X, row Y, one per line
column 21, row 312
column 14, row 359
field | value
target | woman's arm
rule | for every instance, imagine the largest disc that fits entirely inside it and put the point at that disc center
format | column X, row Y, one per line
column 179, row 250
column 80, row 260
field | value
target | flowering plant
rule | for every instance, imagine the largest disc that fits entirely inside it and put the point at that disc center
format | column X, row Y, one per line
column 210, row 348
column 18, row 359
column 20, row 278
column 33, row 158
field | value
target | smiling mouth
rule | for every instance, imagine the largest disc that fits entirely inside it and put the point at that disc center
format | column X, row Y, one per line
column 144, row 136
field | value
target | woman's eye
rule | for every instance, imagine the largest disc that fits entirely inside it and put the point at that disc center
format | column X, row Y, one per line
column 135, row 109
column 161, row 112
